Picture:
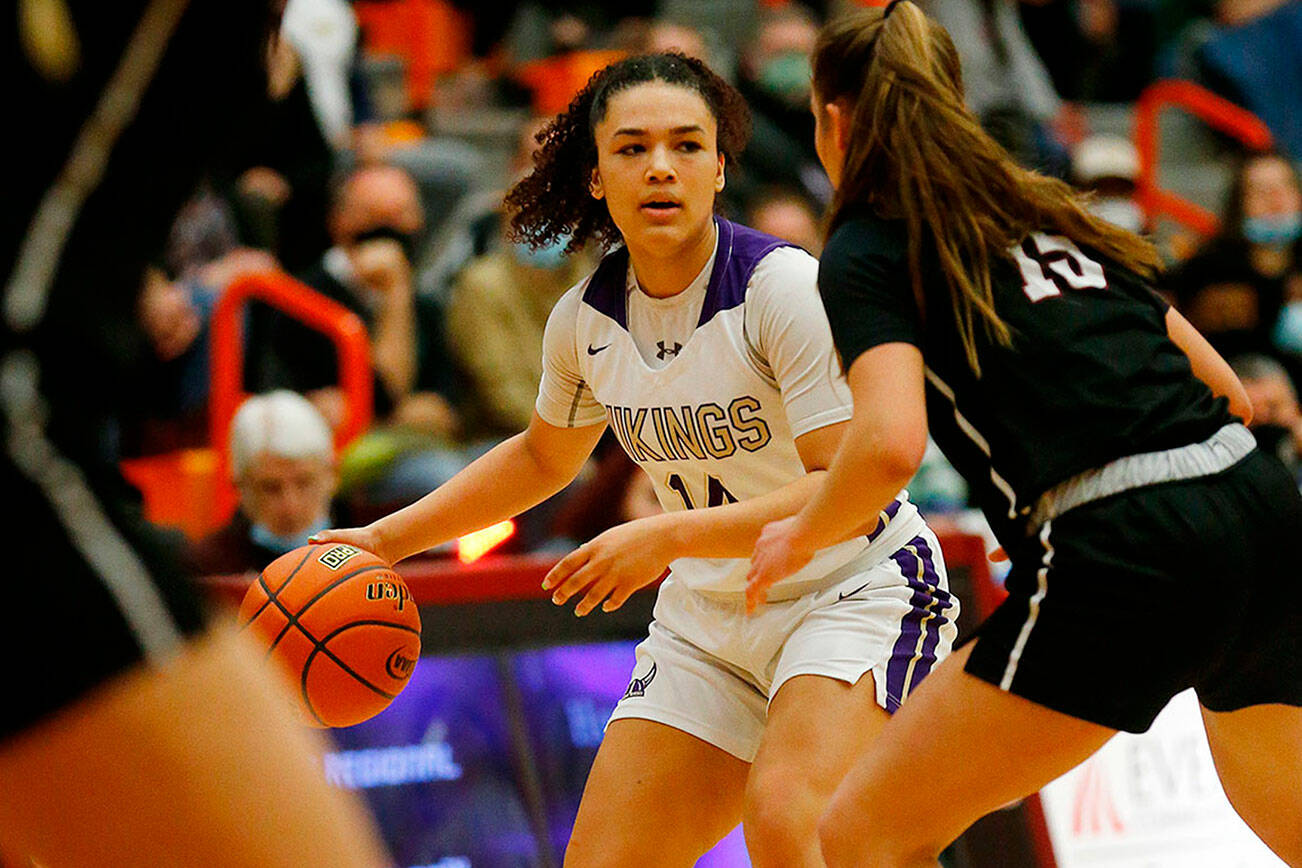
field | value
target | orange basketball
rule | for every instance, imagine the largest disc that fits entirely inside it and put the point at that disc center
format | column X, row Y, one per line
column 344, row 626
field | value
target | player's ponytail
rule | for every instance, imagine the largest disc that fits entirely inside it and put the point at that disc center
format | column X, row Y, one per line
column 554, row 201
column 916, row 153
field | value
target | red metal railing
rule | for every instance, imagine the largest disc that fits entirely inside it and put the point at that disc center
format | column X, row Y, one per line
column 280, row 291
column 1216, row 112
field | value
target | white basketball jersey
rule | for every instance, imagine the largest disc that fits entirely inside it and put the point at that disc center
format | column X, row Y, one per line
column 716, row 423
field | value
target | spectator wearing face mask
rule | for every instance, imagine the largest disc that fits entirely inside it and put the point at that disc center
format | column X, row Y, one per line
column 775, row 75
column 375, row 217
column 283, row 466
column 496, row 316
column 497, row 312
column 1107, row 167
column 1234, row 288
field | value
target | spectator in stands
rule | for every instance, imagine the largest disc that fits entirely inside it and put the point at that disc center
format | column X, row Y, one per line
column 788, row 214
column 1096, row 50
column 283, row 465
column 1256, row 61
column 375, row 216
column 280, row 196
column 571, row 60
column 171, row 407
column 324, row 36
column 665, row 35
column 498, row 308
column 1108, row 167
column 496, row 316
column 1006, row 84
column 204, row 230
column 1276, row 415
column 774, row 78
column 1233, row 289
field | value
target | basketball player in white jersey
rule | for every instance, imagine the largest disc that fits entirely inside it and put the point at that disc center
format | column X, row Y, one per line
column 703, row 346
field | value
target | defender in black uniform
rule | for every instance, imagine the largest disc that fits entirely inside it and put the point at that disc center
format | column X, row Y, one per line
column 1153, row 548
column 131, row 731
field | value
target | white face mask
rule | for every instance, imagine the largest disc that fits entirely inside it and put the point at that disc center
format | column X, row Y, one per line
column 1120, row 211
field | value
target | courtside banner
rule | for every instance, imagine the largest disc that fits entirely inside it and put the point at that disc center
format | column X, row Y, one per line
column 1151, row 801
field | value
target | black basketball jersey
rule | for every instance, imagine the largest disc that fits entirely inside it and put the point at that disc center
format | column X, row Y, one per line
column 1091, row 375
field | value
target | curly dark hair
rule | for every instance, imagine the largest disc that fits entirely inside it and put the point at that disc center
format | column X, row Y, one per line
column 554, row 200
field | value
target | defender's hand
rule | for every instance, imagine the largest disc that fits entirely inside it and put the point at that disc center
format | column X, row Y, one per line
column 779, row 552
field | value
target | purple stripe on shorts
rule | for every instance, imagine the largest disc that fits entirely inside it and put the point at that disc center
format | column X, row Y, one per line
column 892, row 509
column 928, row 599
column 943, row 602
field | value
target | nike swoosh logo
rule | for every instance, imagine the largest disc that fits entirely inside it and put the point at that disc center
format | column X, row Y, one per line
column 840, row 597
column 592, row 351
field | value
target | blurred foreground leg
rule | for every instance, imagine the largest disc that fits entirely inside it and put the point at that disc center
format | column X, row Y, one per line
column 200, row 762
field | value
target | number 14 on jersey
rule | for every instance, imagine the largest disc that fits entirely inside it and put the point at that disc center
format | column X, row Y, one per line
column 715, row 493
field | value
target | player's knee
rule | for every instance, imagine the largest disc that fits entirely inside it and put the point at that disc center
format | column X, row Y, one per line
column 780, row 819
column 852, row 834
column 845, row 846
column 840, row 837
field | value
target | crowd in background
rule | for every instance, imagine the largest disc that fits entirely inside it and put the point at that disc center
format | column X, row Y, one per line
column 394, row 127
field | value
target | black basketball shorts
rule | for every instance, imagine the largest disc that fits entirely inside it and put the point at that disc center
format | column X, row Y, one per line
column 88, row 594
column 1117, row 605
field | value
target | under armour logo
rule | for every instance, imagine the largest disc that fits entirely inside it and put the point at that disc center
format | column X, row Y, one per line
column 637, row 687
column 667, row 351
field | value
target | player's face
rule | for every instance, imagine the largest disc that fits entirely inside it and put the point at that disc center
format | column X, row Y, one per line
column 658, row 164
column 287, row 495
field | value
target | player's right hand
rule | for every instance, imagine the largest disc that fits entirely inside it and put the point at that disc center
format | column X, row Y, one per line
column 363, row 537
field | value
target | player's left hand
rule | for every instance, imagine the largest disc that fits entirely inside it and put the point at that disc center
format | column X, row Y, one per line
column 779, row 552
column 611, row 566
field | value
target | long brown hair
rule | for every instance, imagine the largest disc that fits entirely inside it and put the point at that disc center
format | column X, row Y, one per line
column 916, row 153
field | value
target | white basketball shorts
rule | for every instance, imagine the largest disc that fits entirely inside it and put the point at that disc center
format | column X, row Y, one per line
column 710, row 670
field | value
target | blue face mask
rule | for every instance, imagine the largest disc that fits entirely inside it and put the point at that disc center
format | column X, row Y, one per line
column 1277, row 230
column 1288, row 331
column 263, row 536
column 550, row 256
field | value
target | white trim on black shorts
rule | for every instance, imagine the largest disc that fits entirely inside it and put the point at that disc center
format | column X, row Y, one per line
column 1033, row 609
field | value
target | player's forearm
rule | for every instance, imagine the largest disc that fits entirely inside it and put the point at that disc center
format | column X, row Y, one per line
column 730, row 531
column 862, row 480
column 502, row 483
